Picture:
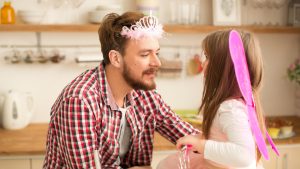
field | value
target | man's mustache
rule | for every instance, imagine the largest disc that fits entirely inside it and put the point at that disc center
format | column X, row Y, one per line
column 151, row 71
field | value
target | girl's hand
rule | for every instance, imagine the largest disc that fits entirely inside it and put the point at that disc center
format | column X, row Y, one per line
column 196, row 141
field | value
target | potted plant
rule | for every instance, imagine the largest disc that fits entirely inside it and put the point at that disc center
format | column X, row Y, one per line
column 293, row 71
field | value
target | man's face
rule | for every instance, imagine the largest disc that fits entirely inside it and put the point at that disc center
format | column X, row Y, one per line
column 141, row 63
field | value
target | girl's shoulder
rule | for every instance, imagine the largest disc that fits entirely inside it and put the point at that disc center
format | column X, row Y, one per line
column 232, row 110
column 232, row 105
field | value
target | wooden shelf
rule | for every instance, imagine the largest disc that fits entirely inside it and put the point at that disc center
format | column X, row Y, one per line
column 49, row 28
column 210, row 28
column 169, row 28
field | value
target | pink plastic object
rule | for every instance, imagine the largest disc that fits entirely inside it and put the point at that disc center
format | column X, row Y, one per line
column 188, row 148
column 184, row 160
column 242, row 74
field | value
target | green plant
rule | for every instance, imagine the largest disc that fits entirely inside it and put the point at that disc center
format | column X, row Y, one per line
column 294, row 71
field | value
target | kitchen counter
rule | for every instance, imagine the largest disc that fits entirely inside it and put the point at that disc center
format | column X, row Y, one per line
column 32, row 139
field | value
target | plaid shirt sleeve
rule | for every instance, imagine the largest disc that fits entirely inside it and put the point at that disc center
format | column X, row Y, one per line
column 169, row 124
column 76, row 141
column 76, row 124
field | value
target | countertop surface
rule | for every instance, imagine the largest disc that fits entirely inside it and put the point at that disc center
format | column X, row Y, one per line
column 32, row 139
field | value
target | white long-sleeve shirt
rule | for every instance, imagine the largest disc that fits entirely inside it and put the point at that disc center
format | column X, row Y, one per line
column 230, row 141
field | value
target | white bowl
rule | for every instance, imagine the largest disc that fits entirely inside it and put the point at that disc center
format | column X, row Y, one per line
column 101, row 11
column 32, row 19
column 96, row 16
column 31, row 16
column 109, row 7
column 286, row 130
column 31, row 12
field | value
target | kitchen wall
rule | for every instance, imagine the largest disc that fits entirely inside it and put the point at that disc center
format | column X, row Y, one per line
column 45, row 81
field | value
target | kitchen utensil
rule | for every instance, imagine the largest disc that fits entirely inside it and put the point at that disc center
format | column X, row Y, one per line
column 194, row 66
column 170, row 67
column 238, row 57
column 18, row 110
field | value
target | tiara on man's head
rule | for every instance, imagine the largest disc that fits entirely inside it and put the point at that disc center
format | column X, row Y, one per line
column 146, row 26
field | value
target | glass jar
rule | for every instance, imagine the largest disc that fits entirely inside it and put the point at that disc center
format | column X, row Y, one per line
column 7, row 13
column 184, row 11
column 294, row 13
column 148, row 7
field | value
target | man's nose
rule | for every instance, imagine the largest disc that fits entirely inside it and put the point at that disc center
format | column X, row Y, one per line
column 155, row 61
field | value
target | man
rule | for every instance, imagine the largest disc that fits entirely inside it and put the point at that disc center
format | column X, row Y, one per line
column 106, row 117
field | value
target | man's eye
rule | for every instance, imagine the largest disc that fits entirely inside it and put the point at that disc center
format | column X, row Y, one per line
column 157, row 54
column 144, row 55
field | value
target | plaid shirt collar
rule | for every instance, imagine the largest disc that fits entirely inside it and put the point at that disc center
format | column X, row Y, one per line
column 106, row 92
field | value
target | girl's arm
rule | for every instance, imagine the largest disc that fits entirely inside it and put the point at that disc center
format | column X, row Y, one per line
column 239, row 150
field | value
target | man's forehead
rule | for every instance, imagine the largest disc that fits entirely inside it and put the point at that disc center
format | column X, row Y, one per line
column 143, row 44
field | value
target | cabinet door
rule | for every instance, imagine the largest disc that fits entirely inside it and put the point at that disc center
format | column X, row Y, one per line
column 272, row 163
column 289, row 157
column 37, row 163
column 160, row 155
column 14, row 164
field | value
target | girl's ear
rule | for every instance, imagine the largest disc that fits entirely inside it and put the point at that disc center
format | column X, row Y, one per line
column 115, row 58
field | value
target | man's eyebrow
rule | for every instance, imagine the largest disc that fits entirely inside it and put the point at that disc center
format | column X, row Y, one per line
column 149, row 50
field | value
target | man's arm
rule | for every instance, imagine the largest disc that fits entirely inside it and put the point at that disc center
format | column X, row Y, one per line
column 77, row 130
column 169, row 124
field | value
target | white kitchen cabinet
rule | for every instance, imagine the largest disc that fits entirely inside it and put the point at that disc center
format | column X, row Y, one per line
column 288, row 159
column 160, row 155
column 37, row 163
column 14, row 164
column 21, row 162
column 272, row 162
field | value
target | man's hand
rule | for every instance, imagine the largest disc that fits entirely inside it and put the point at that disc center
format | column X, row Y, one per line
column 141, row 167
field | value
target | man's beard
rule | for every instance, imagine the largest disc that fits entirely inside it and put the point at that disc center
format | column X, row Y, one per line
column 136, row 84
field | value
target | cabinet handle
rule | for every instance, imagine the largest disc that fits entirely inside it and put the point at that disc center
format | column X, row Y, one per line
column 285, row 161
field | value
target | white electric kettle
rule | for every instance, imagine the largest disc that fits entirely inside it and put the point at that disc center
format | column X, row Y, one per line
column 17, row 110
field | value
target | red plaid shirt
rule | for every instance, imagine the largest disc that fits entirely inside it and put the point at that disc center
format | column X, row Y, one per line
column 85, row 119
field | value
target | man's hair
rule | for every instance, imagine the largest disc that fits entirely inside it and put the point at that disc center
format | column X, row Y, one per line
column 110, row 29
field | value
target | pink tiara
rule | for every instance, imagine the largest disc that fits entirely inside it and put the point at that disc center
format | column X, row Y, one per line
column 146, row 26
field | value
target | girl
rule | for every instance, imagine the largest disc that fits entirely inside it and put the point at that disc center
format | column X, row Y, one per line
column 226, row 140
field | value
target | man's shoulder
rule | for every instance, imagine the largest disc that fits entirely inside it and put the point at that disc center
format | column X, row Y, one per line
column 84, row 85
column 147, row 95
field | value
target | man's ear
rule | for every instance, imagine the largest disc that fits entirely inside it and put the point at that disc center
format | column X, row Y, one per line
column 115, row 58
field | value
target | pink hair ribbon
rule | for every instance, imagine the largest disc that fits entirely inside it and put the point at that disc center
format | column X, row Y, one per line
column 242, row 74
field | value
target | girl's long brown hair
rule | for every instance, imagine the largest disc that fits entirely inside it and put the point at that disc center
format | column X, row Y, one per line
column 220, row 81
